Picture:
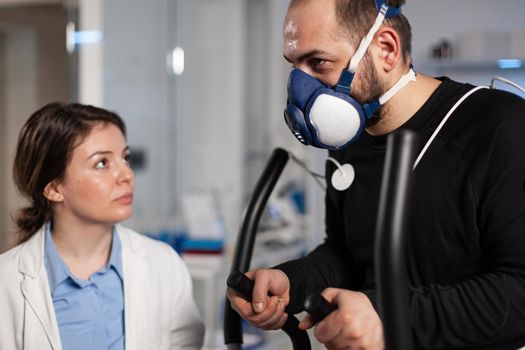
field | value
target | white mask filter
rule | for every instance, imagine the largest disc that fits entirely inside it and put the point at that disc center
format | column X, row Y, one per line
column 335, row 120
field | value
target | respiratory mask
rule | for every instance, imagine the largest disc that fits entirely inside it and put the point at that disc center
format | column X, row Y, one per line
column 328, row 117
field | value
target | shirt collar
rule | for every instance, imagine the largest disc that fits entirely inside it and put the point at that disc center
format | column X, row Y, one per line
column 58, row 271
column 115, row 258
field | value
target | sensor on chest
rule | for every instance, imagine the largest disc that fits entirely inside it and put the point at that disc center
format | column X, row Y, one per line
column 343, row 177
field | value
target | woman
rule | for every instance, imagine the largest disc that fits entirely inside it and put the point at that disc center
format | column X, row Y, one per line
column 78, row 279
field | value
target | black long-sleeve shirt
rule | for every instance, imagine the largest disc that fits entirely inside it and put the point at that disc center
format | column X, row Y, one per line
column 466, row 247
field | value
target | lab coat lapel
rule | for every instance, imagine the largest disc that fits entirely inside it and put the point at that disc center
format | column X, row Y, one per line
column 37, row 298
column 35, row 288
column 134, row 265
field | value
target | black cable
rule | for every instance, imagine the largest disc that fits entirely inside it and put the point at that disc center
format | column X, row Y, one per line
column 314, row 175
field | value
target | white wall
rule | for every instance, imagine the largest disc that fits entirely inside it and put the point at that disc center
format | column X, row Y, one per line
column 90, row 65
column 449, row 19
column 434, row 20
column 188, row 126
column 207, row 102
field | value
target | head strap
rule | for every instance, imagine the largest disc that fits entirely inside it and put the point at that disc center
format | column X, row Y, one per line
column 383, row 11
column 392, row 11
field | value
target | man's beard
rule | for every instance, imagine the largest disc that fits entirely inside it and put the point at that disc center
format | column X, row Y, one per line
column 372, row 88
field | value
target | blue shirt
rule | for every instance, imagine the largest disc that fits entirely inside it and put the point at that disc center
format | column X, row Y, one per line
column 90, row 314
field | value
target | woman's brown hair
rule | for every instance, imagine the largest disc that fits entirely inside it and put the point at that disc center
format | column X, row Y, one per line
column 45, row 145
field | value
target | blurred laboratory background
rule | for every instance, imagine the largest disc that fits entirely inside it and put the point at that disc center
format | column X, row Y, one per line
column 201, row 85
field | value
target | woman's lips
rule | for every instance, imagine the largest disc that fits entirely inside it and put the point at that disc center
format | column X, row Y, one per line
column 125, row 199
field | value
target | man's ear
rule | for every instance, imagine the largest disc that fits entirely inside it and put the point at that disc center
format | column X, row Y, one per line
column 52, row 192
column 389, row 45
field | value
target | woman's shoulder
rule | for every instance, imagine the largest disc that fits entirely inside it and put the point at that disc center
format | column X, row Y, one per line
column 10, row 267
column 10, row 258
column 23, row 258
column 141, row 243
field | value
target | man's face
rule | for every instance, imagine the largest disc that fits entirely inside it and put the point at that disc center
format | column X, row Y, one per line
column 313, row 43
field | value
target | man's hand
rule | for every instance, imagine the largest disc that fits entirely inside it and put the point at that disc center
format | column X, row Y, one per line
column 354, row 325
column 264, row 312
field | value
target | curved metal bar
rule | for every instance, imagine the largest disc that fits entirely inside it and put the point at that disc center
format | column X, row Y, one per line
column 390, row 244
column 244, row 250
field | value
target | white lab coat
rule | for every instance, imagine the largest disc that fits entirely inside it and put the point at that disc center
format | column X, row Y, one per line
column 159, row 309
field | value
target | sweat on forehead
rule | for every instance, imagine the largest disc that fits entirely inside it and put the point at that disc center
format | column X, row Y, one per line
column 290, row 34
column 290, row 27
column 308, row 18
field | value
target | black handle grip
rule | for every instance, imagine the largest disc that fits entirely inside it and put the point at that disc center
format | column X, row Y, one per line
column 243, row 285
column 247, row 233
column 318, row 307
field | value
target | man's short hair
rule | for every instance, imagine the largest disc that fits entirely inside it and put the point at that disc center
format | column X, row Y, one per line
column 356, row 17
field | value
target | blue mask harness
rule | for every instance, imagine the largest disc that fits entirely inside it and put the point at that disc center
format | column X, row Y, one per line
column 328, row 117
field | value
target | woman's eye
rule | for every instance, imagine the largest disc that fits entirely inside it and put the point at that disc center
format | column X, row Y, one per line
column 127, row 158
column 101, row 164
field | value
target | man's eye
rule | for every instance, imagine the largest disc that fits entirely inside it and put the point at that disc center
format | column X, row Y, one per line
column 317, row 63
column 101, row 164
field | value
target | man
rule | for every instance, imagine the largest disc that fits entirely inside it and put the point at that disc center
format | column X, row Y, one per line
column 466, row 249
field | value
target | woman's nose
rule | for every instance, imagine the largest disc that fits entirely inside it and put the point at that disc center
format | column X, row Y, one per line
column 125, row 172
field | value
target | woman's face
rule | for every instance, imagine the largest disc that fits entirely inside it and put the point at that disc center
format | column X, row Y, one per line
column 98, row 184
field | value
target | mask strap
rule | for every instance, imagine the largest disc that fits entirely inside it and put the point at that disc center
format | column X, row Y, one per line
column 392, row 11
column 345, row 80
column 373, row 106
column 401, row 83
column 365, row 43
